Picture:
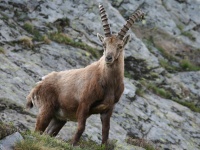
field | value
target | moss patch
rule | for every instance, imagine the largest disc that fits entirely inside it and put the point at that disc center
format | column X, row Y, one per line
column 63, row 38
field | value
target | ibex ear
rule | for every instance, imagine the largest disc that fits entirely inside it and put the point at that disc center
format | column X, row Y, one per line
column 126, row 39
column 101, row 37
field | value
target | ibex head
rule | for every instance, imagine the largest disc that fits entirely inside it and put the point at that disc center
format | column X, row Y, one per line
column 114, row 44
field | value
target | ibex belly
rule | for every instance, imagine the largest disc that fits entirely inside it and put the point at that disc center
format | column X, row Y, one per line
column 62, row 114
column 99, row 109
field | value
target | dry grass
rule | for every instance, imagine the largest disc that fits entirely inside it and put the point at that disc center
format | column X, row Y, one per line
column 46, row 39
column 26, row 41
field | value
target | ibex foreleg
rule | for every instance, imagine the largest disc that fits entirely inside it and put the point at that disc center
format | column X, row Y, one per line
column 105, row 120
column 43, row 120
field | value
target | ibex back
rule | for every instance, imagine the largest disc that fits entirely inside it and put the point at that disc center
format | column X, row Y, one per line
column 76, row 94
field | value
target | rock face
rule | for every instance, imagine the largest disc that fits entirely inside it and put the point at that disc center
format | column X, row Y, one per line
column 164, row 122
column 9, row 142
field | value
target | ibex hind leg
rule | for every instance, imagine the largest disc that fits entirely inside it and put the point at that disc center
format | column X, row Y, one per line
column 43, row 120
column 55, row 126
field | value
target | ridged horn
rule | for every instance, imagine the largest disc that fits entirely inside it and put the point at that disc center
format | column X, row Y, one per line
column 138, row 14
column 104, row 20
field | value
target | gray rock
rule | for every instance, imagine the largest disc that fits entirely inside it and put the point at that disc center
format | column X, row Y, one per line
column 8, row 142
column 173, row 17
column 186, row 85
column 166, row 123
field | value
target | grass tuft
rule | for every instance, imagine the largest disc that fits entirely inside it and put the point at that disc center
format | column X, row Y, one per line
column 180, row 27
column 188, row 66
column 26, row 41
column 46, row 39
column 63, row 38
column 140, row 91
column 32, row 30
column 159, row 91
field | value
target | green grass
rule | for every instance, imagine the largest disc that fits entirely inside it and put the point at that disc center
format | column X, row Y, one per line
column 63, row 38
column 180, row 27
column 32, row 30
column 189, row 35
column 153, row 88
column 165, row 94
column 159, row 91
column 165, row 64
column 35, row 141
column 2, row 51
column 127, row 74
column 189, row 105
column 140, row 91
column 6, row 129
column 186, row 65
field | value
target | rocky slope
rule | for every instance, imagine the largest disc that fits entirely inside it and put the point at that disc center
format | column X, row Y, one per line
column 161, row 62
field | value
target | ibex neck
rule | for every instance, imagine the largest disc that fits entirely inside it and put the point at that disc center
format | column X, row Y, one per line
column 114, row 71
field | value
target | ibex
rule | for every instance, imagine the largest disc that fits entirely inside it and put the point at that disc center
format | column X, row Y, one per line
column 78, row 93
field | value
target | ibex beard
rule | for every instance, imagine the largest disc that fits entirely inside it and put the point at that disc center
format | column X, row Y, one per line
column 76, row 94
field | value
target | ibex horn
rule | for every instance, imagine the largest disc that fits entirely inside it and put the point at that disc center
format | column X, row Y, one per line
column 104, row 19
column 138, row 14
